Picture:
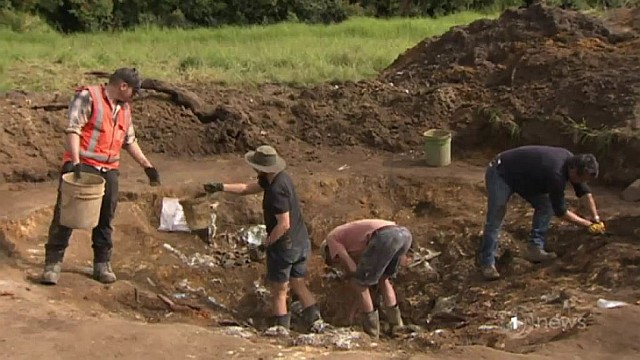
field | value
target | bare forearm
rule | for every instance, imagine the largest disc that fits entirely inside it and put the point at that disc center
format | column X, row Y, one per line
column 348, row 262
column 73, row 143
column 592, row 206
column 572, row 217
column 137, row 155
column 238, row 189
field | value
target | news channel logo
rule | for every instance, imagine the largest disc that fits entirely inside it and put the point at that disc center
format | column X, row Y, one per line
column 519, row 326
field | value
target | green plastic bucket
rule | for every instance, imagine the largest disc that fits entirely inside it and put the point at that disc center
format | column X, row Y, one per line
column 437, row 147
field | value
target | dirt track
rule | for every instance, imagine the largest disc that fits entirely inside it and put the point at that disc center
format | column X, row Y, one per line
column 494, row 84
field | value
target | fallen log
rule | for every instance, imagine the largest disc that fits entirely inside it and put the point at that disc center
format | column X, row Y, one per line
column 204, row 112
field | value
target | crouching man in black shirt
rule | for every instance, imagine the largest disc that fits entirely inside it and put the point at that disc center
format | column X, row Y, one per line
column 287, row 244
column 539, row 174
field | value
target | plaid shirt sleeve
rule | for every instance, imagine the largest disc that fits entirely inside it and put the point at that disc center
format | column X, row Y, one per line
column 130, row 137
column 79, row 112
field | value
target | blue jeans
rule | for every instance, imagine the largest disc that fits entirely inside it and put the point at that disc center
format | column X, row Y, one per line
column 499, row 193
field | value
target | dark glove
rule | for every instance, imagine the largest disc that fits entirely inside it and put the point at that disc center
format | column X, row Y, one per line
column 76, row 171
column 152, row 174
column 213, row 187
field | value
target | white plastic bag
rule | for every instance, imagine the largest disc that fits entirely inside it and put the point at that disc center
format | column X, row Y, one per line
column 172, row 216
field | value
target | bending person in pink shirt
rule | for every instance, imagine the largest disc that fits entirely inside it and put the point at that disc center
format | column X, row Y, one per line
column 371, row 251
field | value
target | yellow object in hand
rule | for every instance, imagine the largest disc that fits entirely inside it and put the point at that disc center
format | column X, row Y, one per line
column 597, row 228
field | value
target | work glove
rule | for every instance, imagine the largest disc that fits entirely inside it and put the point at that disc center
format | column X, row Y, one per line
column 213, row 187
column 152, row 174
column 597, row 228
column 76, row 171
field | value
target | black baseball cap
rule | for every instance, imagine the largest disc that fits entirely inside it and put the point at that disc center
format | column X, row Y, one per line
column 128, row 75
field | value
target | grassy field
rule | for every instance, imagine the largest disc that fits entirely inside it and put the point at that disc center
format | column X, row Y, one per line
column 297, row 53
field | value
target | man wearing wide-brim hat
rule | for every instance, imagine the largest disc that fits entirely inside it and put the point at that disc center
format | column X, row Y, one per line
column 287, row 243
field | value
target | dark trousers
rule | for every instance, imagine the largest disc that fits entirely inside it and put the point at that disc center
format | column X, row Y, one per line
column 101, row 235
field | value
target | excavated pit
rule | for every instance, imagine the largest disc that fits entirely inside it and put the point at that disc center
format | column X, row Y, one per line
column 441, row 296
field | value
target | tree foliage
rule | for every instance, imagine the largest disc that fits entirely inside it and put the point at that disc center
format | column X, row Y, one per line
column 93, row 15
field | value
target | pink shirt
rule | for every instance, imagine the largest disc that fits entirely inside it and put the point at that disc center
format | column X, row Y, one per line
column 353, row 236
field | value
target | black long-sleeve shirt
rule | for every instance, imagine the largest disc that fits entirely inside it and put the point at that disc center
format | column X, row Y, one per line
column 533, row 170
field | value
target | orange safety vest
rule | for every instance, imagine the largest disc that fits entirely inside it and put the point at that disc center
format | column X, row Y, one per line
column 102, row 138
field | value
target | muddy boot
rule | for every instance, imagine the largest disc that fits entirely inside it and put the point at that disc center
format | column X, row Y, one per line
column 51, row 273
column 535, row 254
column 393, row 317
column 283, row 320
column 312, row 319
column 490, row 273
column 103, row 273
column 371, row 324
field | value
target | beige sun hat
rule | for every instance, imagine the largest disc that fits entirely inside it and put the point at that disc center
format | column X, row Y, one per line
column 266, row 159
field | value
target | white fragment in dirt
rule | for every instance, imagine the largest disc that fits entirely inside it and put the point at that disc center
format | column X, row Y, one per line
column 35, row 251
column 151, row 282
column 345, row 343
column 196, row 259
column 333, row 274
column 180, row 295
column 263, row 133
column 308, row 340
column 277, row 331
column 610, row 304
column 438, row 331
column 488, row 327
column 254, row 235
column 343, row 167
column 341, row 338
column 172, row 216
column 215, row 302
column 260, row 290
column 238, row 331
column 230, row 352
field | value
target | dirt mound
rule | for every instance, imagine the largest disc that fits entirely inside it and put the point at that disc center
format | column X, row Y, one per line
column 540, row 74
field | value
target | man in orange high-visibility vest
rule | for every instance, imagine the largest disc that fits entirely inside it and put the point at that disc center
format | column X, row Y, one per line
column 99, row 127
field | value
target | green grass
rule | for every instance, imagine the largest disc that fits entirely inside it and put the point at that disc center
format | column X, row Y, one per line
column 289, row 52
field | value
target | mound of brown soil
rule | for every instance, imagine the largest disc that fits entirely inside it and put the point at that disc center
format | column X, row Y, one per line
column 543, row 75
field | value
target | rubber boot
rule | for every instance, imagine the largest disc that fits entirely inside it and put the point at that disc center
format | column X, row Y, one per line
column 103, row 273
column 312, row 319
column 283, row 320
column 393, row 316
column 51, row 273
column 371, row 324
